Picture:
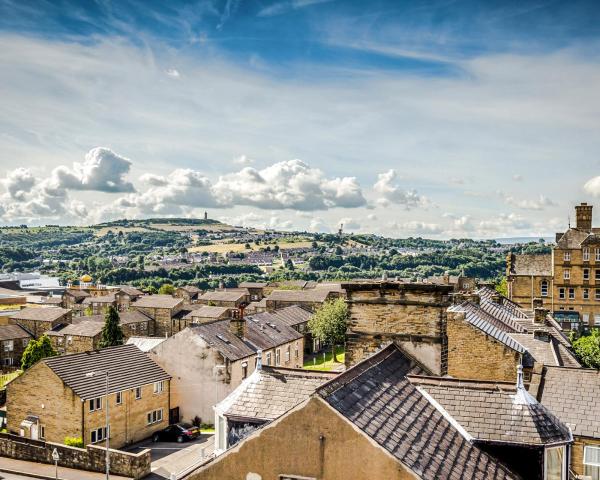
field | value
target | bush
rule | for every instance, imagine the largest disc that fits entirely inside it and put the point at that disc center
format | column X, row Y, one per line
column 74, row 442
column 196, row 421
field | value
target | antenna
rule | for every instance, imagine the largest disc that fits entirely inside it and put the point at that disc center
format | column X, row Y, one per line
column 569, row 220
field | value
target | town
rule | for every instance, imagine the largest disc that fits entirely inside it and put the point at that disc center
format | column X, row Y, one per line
column 440, row 376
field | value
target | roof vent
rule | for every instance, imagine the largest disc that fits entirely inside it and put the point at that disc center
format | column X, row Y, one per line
column 222, row 338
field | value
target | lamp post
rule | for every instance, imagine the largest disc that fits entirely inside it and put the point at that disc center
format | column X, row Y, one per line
column 93, row 374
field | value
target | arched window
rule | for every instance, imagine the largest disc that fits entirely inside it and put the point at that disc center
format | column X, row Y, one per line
column 544, row 288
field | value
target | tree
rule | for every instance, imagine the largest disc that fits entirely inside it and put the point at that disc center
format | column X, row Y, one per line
column 502, row 287
column 166, row 289
column 36, row 350
column 328, row 324
column 289, row 264
column 112, row 334
column 587, row 349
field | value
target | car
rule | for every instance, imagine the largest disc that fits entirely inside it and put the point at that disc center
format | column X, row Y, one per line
column 178, row 432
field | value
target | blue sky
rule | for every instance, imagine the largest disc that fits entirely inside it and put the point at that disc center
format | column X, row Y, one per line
column 434, row 118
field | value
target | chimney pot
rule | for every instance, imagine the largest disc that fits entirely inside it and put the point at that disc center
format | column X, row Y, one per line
column 583, row 215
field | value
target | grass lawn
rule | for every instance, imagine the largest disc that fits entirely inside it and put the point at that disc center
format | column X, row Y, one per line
column 241, row 247
column 328, row 364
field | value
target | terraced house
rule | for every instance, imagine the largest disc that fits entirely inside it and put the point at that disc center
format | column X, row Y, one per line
column 65, row 396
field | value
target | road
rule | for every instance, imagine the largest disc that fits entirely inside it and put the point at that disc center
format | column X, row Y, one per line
column 10, row 476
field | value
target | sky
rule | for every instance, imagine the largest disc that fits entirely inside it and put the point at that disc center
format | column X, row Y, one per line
column 439, row 119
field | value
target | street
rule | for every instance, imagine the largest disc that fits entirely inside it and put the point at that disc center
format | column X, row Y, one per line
column 10, row 476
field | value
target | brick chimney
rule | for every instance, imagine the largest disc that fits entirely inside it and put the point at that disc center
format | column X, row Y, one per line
column 583, row 214
column 496, row 298
column 237, row 325
column 539, row 315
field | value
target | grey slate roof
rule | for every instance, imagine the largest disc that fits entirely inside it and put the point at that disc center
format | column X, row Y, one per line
column 217, row 335
column 206, row 311
column 132, row 316
column 270, row 392
column 550, row 353
column 572, row 395
column 83, row 329
column 223, row 296
column 41, row 314
column 252, row 284
column 158, row 301
column 10, row 332
column 378, row 399
column 191, row 289
column 537, row 265
column 316, row 295
column 131, row 291
column 78, row 294
column 572, row 238
column 108, row 299
column 127, row 366
column 291, row 316
column 266, row 331
column 488, row 411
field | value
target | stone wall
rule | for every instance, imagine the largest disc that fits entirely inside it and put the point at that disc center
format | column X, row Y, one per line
column 410, row 314
column 577, row 452
column 162, row 320
column 136, row 465
column 474, row 355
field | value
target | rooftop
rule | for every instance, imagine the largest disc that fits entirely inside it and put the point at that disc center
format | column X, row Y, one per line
column 88, row 328
column 10, row 332
column 207, row 311
column 99, row 299
column 145, row 344
column 158, row 301
column 253, row 284
column 318, row 295
column 41, row 314
column 224, row 296
column 131, row 291
column 538, row 265
column 127, row 367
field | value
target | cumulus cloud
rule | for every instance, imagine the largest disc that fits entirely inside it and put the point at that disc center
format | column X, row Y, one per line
column 415, row 228
column 243, row 160
column 18, row 183
column 537, row 204
column 592, row 186
column 318, row 225
column 173, row 73
column 391, row 193
column 102, row 170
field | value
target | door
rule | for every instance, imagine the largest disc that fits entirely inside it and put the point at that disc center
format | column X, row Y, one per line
column 173, row 415
column 34, row 431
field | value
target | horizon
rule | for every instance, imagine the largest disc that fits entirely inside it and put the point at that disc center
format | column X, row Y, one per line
column 443, row 119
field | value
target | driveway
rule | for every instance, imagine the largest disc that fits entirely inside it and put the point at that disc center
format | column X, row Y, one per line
column 173, row 457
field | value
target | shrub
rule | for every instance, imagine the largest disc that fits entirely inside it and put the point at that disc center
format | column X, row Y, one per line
column 74, row 442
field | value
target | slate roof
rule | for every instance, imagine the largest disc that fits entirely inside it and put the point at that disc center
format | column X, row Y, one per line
column 132, row 316
column 253, row 284
column 206, row 311
column 217, row 335
column 158, row 301
column 489, row 412
column 550, row 353
column 145, row 344
column 572, row 395
column 292, row 316
column 82, row 329
column 266, row 331
column 99, row 299
column 131, row 291
column 378, row 399
column 192, row 290
column 318, row 295
column 41, row 314
column 127, row 366
column 10, row 332
column 270, row 392
column 78, row 294
column 572, row 238
column 538, row 265
column 223, row 296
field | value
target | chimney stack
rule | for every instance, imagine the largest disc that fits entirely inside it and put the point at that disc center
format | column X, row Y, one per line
column 583, row 215
column 537, row 303
column 496, row 298
column 259, row 359
column 539, row 315
column 237, row 325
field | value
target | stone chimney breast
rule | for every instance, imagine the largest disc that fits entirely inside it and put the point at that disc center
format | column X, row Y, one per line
column 583, row 214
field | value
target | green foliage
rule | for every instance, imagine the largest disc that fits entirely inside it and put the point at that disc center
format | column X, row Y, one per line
column 587, row 348
column 36, row 350
column 328, row 324
column 289, row 264
column 166, row 289
column 502, row 287
column 112, row 334
column 74, row 442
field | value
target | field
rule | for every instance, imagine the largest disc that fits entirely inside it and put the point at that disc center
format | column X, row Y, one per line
column 240, row 247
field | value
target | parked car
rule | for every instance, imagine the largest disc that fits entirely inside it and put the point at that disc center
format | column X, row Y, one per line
column 179, row 432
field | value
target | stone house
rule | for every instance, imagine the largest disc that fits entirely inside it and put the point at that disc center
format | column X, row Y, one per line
column 38, row 321
column 98, row 305
column 161, row 308
column 57, row 398
column 77, row 337
column 571, row 394
column 13, row 341
column 72, row 300
column 125, row 296
column 265, row 395
column 386, row 417
column 230, row 298
column 188, row 293
column 529, row 277
column 208, row 361
column 202, row 314
column 296, row 317
column 310, row 299
column 255, row 289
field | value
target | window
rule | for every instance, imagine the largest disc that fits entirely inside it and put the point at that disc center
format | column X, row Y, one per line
column 561, row 292
column 544, row 288
column 597, row 254
column 8, row 361
column 244, row 369
column 159, row 386
column 278, row 357
column 596, row 320
column 287, row 354
column 119, row 398
column 155, row 416
column 567, row 256
column 554, row 463
column 591, row 462
column 138, row 393
column 586, row 254
column 296, row 353
column 597, row 274
column 8, row 345
column 98, row 435
column 586, row 273
column 586, row 293
column 294, row 477
column 95, row 404
column 69, row 339
column 133, row 327
column 42, row 431
column 586, row 318
column 25, row 342
column 597, row 297
column 566, row 274
column 268, row 358
column 571, row 294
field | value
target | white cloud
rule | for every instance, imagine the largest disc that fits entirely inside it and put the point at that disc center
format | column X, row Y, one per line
column 392, row 193
column 538, row 204
column 173, row 73
column 415, row 228
column 350, row 224
column 592, row 186
column 18, row 183
column 318, row 225
column 243, row 160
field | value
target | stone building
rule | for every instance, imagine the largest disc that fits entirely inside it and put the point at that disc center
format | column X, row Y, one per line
column 125, row 296
column 202, row 314
column 208, row 361
column 387, row 418
column 56, row 398
column 568, row 280
column 72, row 299
column 188, row 293
column 230, row 298
column 13, row 341
column 161, row 308
column 77, row 337
column 98, row 305
column 255, row 289
column 411, row 314
column 38, row 321
column 310, row 299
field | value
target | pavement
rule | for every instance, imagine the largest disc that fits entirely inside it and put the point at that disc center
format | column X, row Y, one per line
column 12, row 469
column 177, row 458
